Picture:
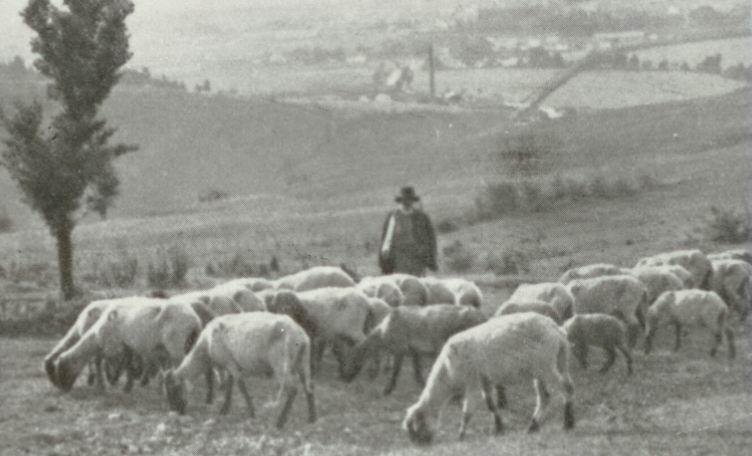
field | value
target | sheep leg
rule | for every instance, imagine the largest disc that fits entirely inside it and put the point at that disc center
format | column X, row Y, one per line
column 318, row 355
column 649, row 340
column 730, row 342
column 310, row 398
column 609, row 361
column 468, row 407
column 395, row 373
column 717, row 339
column 501, row 397
column 247, row 397
column 291, row 391
column 209, row 376
column 417, row 370
column 541, row 402
column 627, row 356
column 228, row 395
column 488, row 396
column 677, row 329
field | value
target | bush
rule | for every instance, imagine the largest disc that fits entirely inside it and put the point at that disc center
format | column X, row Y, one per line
column 169, row 268
column 725, row 225
column 497, row 200
column 508, row 262
column 458, row 258
column 240, row 266
column 121, row 272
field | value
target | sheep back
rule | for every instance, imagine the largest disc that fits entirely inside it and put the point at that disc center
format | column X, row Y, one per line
column 536, row 306
column 590, row 271
column 316, row 277
column 554, row 293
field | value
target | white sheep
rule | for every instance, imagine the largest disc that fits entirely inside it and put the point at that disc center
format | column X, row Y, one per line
column 620, row 295
column 732, row 280
column 680, row 272
column 255, row 284
column 599, row 330
column 690, row 308
column 438, row 291
column 379, row 310
column 257, row 344
column 410, row 331
column 590, row 271
column 340, row 314
column 466, row 292
column 694, row 261
column 656, row 280
column 414, row 291
column 315, row 277
column 501, row 351
column 377, row 287
column 536, row 306
column 154, row 329
column 553, row 293
column 736, row 254
column 244, row 297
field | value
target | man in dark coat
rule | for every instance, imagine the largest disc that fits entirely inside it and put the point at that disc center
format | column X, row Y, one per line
column 408, row 240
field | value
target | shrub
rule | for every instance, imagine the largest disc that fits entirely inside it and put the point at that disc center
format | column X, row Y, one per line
column 725, row 225
column 498, row 199
column 508, row 262
column 169, row 268
column 121, row 272
column 458, row 258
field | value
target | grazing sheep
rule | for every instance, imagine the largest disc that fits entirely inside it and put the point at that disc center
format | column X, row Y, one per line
column 287, row 302
column 600, row 330
column 258, row 344
column 732, row 280
column 376, row 287
column 466, row 292
column 379, row 310
column 156, row 330
column 621, row 296
column 684, row 276
column 414, row 291
column 412, row 331
column 316, row 277
column 340, row 314
column 693, row 261
column 245, row 298
column 501, row 351
column 656, row 280
column 255, row 284
column 590, row 271
column 554, row 293
column 736, row 254
column 690, row 307
column 438, row 291
column 536, row 306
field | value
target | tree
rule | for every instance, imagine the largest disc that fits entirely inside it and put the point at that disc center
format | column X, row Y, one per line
column 65, row 162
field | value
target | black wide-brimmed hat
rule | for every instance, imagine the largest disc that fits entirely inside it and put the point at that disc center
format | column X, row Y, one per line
column 407, row 194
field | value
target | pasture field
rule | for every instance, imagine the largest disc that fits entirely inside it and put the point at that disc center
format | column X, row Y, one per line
column 675, row 403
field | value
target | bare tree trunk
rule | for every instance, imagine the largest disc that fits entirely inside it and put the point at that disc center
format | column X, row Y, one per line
column 63, row 235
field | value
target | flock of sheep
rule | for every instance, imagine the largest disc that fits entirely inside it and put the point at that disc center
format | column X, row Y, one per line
column 281, row 328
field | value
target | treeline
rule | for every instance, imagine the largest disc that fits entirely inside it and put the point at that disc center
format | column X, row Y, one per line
column 576, row 21
column 710, row 64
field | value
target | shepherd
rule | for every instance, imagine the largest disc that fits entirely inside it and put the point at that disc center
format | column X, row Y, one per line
column 408, row 240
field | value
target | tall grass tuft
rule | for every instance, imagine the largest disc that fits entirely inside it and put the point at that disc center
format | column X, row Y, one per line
column 168, row 268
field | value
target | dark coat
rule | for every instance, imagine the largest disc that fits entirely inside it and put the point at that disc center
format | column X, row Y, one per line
column 425, row 239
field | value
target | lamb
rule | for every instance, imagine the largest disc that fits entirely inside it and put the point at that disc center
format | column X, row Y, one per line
column 413, row 331
column 693, row 261
column 590, row 271
column 690, row 307
column 732, row 280
column 679, row 271
column 553, row 293
column 258, row 344
column 379, row 310
column 316, row 277
column 621, row 296
column 340, row 314
column 155, row 329
column 503, row 350
column 465, row 291
column 600, row 330
column 287, row 302
column 383, row 289
column 536, row 306
column 656, row 281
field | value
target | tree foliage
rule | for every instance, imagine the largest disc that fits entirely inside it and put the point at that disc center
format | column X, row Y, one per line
column 65, row 161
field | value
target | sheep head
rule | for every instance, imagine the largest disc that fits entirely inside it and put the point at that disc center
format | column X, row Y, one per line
column 49, row 368
column 175, row 393
column 66, row 374
column 417, row 428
